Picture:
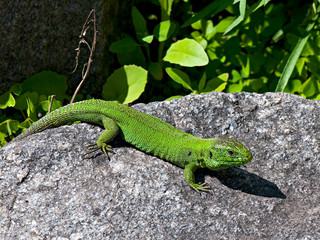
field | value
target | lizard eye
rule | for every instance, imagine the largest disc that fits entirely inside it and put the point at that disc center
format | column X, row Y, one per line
column 230, row 153
column 189, row 153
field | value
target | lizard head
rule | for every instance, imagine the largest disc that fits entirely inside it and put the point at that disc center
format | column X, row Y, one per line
column 225, row 153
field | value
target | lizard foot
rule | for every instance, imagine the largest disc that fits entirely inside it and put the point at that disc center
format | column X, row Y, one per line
column 200, row 187
column 105, row 148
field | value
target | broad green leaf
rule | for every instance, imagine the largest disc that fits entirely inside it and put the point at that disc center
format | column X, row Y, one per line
column 55, row 104
column 197, row 25
column 26, row 123
column 16, row 89
column 126, row 84
column 179, row 77
column 9, row 126
column 136, row 57
column 187, row 53
column 139, row 23
column 46, row 83
column 256, row 84
column 309, row 87
column 164, row 30
column 125, row 45
column 7, row 100
column 236, row 76
column 22, row 100
column 235, row 87
column 216, row 84
column 293, row 86
column 312, row 63
column 200, row 39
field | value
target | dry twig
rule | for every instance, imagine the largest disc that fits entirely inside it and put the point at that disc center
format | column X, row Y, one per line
column 91, row 19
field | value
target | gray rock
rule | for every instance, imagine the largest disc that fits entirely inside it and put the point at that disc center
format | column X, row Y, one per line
column 49, row 191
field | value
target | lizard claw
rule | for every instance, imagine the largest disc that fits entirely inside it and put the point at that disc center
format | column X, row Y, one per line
column 105, row 148
column 200, row 187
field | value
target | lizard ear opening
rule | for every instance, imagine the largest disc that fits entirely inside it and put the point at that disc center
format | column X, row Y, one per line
column 211, row 156
column 230, row 153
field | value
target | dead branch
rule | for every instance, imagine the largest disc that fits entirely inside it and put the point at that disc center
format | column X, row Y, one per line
column 91, row 19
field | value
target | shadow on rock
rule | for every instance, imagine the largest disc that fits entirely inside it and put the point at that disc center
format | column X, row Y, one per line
column 240, row 179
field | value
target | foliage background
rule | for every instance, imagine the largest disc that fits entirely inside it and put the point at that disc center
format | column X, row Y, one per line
column 180, row 47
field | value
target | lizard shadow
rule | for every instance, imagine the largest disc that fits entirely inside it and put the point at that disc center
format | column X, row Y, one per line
column 240, row 179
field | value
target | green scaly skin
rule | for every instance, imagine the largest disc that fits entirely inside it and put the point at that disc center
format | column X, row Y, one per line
column 150, row 135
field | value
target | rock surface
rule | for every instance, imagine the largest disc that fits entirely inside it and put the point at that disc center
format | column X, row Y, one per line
column 48, row 191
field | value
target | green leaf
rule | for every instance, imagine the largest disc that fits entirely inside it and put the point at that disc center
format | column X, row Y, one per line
column 166, row 7
column 256, row 83
column 288, row 69
column 187, row 53
column 125, row 45
column 179, row 77
column 218, row 83
column 222, row 26
column 139, row 23
column 202, row 82
column 55, row 104
column 174, row 97
column 136, row 57
column 7, row 100
column 126, row 84
column 9, row 126
column 22, row 100
column 200, row 39
column 197, row 25
column 16, row 89
column 212, row 9
column 242, row 10
column 293, row 86
column 46, row 83
column 164, row 30
column 300, row 66
column 309, row 87
column 155, row 69
column 147, row 39
column 25, row 124
column 235, row 87
column 209, row 30
column 236, row 77
column 30, row 107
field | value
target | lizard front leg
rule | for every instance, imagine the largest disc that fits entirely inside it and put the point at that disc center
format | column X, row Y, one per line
column 189, row 171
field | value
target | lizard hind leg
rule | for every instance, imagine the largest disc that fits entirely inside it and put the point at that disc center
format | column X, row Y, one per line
column 112, row 130
column 105, row 148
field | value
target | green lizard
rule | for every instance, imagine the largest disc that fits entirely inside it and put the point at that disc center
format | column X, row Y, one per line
column 149, row 134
